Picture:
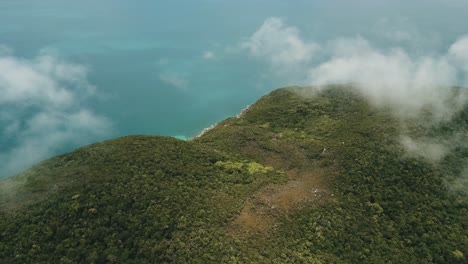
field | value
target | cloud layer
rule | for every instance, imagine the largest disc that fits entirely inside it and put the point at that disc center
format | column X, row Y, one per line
column 280, row 44
column 392, row 78
column 458, row 53
column 405, row 83
column 42, row 109
column 388, row 77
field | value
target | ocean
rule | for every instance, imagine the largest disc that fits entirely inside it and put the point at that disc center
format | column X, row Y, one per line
column 174, row 67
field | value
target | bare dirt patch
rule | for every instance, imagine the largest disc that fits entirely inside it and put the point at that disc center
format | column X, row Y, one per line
column 307, row 187
column 253, row 219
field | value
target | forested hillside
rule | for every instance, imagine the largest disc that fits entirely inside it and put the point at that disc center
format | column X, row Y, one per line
column 302, row 176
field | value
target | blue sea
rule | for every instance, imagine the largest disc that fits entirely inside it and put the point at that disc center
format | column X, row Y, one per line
column 175, row 67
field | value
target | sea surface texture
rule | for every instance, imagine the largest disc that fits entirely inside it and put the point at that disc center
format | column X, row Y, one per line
column 77, row 72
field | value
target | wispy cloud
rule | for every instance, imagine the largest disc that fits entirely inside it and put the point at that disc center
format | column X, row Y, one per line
column 391, row 77
column 458, row 53
column 177, row 80
column 387, row 76
column 431, row 150
column 208, row 55
column 279, row 44
column 42, row 104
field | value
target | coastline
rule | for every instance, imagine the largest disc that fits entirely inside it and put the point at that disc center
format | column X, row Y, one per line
column 207, row 129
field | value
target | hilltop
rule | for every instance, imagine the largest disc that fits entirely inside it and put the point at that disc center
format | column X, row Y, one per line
column 302, row 176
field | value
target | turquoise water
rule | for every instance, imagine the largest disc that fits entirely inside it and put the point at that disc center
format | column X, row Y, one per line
column 128, row 45
column 134, row 49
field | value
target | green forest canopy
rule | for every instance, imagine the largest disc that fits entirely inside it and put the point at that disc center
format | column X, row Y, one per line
column 295, row 179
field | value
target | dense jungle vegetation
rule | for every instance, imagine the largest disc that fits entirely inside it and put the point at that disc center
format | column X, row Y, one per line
column 302, row 176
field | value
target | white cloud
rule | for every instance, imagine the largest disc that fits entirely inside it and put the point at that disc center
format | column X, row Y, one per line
column 459, row 54
column 407, row 84
column 43, row 80
column 388, row 77
column 459, row 49
column 174, row 79
column 433, row 151
column 392, row 78
column 279, row 44
column 208, row 55
column 42, row 102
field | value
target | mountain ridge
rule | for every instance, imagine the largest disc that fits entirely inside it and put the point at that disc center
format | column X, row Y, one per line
column 300, row 177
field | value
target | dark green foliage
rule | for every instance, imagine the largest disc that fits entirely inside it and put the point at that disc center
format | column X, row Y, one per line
column 147, row 199
column 390, row 207
column 141, row 198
